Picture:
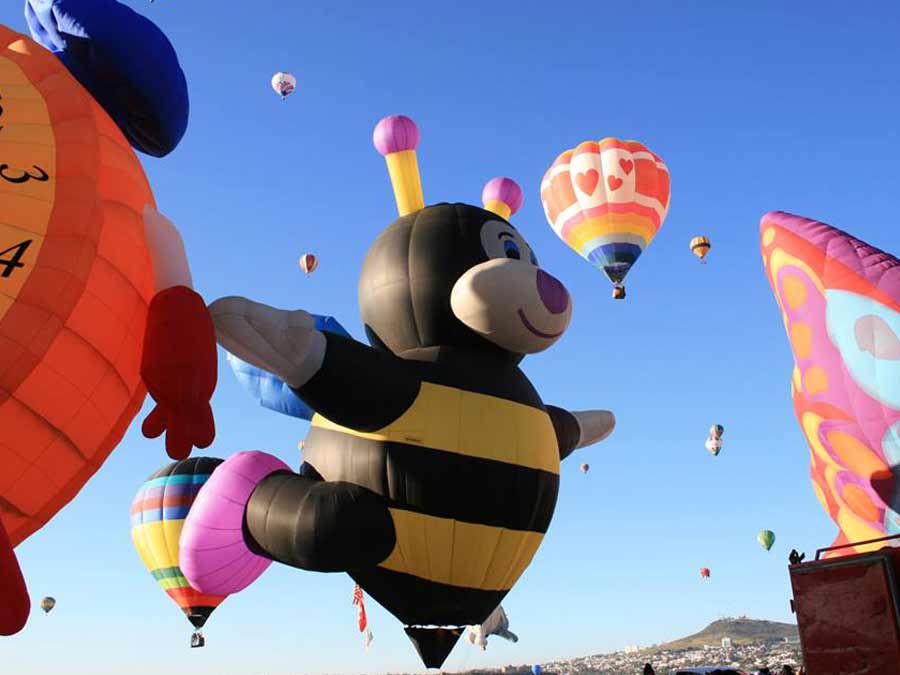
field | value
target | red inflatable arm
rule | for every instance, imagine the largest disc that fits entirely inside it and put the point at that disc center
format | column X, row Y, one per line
column 14, row 601
column 179, row 367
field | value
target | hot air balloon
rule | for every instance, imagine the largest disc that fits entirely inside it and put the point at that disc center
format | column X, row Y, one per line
column 585, row 468
column 607, row 200
column 47, row 604
column 700, row 247
column 283, row 84
column 704, row 572
column 766, row 538
column 840, row 303
column 157, row 517
column 431, row 468
column 536, row 670
column 95, row 300
column 308, row 263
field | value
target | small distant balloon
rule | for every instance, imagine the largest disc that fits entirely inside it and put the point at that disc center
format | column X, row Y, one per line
column 585, row 468
column 700, row 247
column 766, row 538
column 536, row 670
column 283, row 84
column 47, row 604
column 308, row 263
column 704, row 572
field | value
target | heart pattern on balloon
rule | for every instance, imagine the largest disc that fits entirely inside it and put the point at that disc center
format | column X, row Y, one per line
column 614, row 182
column 587, row 181
column 627, row 165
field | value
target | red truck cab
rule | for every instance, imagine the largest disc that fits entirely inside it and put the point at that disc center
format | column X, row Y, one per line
column 848, row 609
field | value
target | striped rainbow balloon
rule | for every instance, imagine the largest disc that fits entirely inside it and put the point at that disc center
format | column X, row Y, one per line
column 607, row 200
column 157, row 518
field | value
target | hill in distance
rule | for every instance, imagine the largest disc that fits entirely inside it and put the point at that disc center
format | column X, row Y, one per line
column 742, row 631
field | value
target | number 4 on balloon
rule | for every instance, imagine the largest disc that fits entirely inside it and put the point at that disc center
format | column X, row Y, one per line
column 13, row 262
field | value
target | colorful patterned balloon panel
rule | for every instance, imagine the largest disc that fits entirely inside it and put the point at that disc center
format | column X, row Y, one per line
column 840, row 300
column 607, row 200
column 75, row 281
column 157, row 518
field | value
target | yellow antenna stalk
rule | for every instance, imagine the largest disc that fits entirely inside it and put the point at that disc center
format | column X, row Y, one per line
column 396, row 139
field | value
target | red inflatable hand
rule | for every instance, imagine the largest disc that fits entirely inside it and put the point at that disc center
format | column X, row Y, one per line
column 14, row 601
column 179, row 367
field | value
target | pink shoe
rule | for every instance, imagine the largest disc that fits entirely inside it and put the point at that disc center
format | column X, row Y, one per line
column 213, row 555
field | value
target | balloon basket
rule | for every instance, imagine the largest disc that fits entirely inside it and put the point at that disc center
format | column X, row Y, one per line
column 197, row 640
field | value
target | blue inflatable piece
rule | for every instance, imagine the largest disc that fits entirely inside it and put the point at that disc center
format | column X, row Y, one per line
column 124, row 60
column 270, row 390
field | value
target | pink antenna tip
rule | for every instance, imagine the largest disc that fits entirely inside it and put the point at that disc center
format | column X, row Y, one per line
column 395, row 134
column 504, row 190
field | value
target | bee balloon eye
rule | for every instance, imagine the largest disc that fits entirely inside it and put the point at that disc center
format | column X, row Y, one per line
column 512, row 249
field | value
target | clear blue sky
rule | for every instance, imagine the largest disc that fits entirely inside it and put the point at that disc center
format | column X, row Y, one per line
column 772, row 105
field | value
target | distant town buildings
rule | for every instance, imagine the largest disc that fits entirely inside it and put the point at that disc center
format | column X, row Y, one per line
column 750, row 658
column 726, row 643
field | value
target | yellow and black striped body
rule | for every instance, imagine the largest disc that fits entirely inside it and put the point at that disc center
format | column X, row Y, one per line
column 471, row 482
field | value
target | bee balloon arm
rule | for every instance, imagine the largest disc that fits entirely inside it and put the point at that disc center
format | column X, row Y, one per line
column 360, row 387
column 579, row 429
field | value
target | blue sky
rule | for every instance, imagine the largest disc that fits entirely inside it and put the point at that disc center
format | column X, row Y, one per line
column 758, row 107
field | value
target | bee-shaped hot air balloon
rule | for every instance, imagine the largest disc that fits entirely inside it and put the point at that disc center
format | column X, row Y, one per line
column 607, row 200
column 157, row 517
column 431, row 468
column 95, row 299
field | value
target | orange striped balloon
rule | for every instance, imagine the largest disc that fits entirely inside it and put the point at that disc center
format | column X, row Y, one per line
column 75, row 282
column 607, row 200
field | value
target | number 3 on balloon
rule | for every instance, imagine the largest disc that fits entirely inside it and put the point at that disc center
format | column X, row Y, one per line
column 12, row 263
column 41, row 175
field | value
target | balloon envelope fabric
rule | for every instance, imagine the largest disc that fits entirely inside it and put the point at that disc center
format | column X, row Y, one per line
column 840, row 302
column 157, row 517
column 270, row 390
column 76, row 279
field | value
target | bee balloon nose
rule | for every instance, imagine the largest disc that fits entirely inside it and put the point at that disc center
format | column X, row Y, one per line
column 553, row 294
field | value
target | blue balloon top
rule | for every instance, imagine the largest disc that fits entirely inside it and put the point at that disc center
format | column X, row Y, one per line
column 124, row 60
column 270, row 390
